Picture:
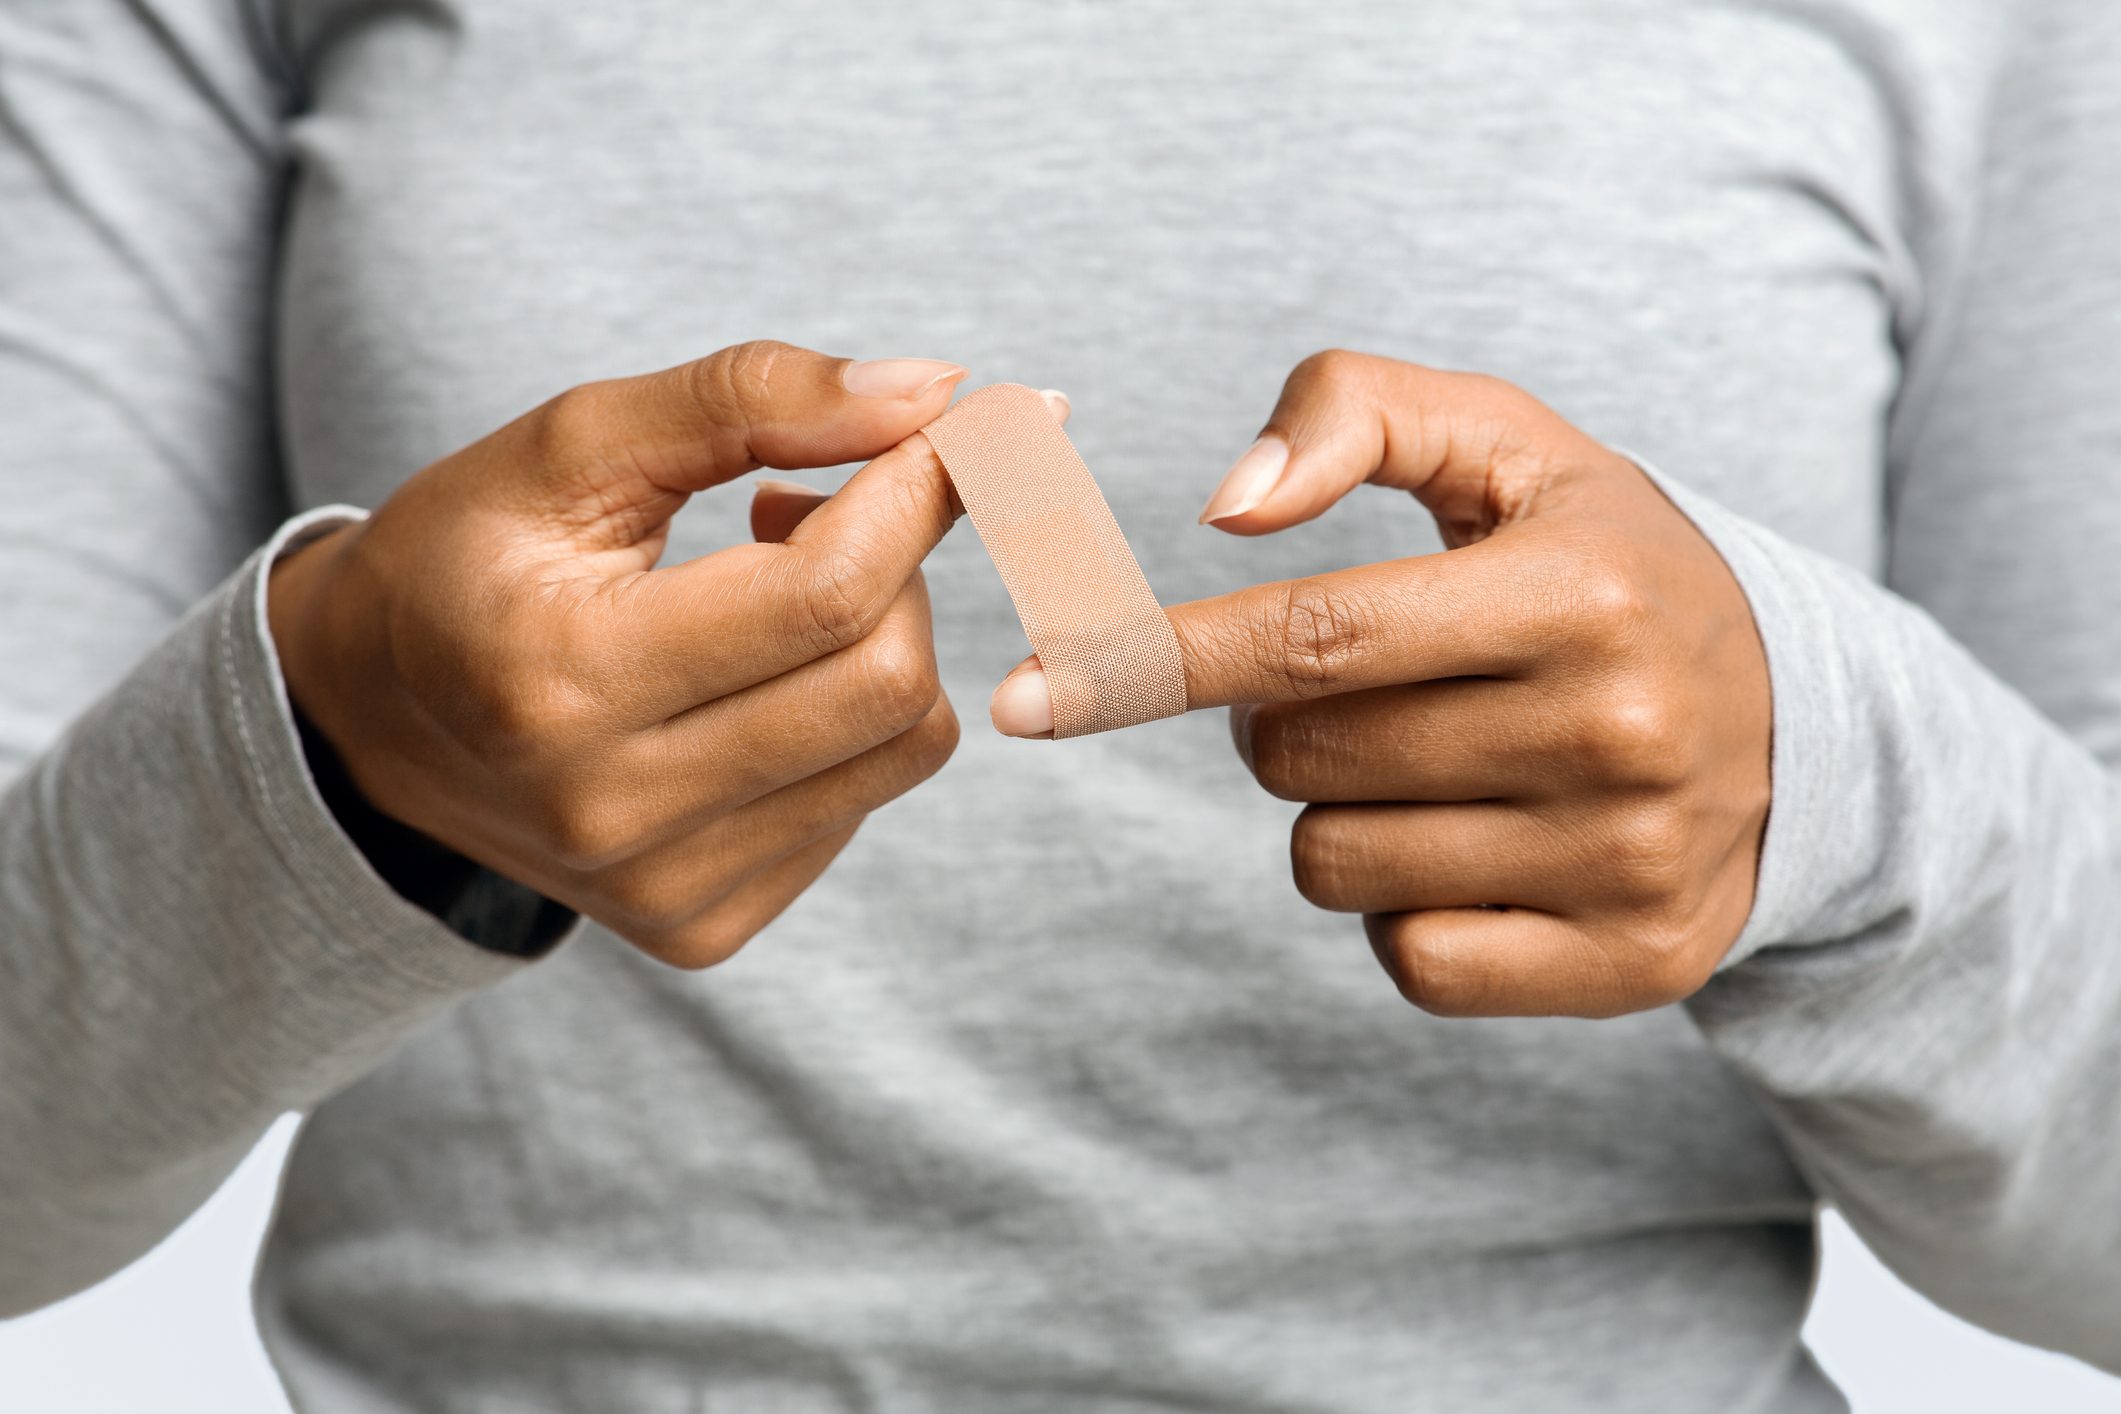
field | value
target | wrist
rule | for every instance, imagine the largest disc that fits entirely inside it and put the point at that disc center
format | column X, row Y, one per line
column 316, row 612
column 316, row 616
column 295, row 591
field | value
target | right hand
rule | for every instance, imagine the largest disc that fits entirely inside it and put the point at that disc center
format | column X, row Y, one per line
column 676, row 752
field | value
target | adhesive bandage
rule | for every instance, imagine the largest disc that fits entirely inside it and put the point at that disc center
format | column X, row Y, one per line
column 1110, row 656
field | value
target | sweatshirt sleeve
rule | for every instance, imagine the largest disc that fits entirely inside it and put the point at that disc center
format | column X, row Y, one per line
column 1928, row 992
column 189, row 944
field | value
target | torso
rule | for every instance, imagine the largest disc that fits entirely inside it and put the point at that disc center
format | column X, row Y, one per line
column 1053, row 1093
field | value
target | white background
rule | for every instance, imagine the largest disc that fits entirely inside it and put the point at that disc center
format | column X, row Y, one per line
column 172, row 1334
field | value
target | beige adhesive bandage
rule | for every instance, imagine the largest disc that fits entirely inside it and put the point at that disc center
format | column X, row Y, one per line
column 1110, row 656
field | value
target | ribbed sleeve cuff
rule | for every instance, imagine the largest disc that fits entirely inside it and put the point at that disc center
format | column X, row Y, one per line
column 357, row 914
column 1814, row 848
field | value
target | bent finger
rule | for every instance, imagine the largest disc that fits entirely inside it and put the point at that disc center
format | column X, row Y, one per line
column 745, row 744
column 778, row 507
column 1478, row 452
column 1389, row 858
column 690, row 869
column 1452, row 740
column 716, row 934
column 1514, row 962
column 750, row 613
column 611, row 457
column 1488, row 610
column 891, row 513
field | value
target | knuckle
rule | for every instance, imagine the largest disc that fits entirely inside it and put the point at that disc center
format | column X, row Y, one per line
column 509, row 711
column 523, row 711
column 933, row 739
column 1498, row 395
column 1666, row 964
column 701, row 943
column 738, row 377
column 1607, row 606
column 1321, row 859
column 1275, row 742
column 657, row 901
column 1637, row 738
column 1332, row 368
column 1312, row 635
column 839, row 601
column 586, row 830
column 899, row 675
column 902, row 763
column 1646, row 855
column 514, row 676
column 580, row 451
column 574, row 420
column 1421, row 967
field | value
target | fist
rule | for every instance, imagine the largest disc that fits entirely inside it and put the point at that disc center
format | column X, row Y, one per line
column 675, row 751
column 1537, row 763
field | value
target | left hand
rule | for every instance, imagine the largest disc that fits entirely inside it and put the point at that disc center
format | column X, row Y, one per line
column 1536, row 763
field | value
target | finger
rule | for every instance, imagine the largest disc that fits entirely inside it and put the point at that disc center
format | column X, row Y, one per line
column 820, row 804
column 690, row 873
column 1452, row 740
column 726, row 621
column 744, row 745
column 778, row 507
column 1520, row 962
column 1488, row 610
column 716, row 934
column 1022, row 704
column 1499, row 608
column 662, row 779
column 1478, row 452
column 612, row 460
column 890, row 514
column 685, row 635
column 1379, row 858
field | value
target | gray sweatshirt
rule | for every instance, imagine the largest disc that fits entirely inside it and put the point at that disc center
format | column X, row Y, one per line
column 1053, row 1094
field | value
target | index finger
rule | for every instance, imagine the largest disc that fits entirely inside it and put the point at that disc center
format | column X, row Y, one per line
column 730, row 620
column 892, row 512
column 1471, row 612
column 727, row 621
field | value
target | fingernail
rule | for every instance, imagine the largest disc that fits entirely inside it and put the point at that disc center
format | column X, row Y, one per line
column 1022, row 705
column 907, row 378
column 788, row 488
column 1058, row 402
column 1248, row 482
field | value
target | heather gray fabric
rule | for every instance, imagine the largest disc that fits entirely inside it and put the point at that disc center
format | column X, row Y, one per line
column 1053, row 1094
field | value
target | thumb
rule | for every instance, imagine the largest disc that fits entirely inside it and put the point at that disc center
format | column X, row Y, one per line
column 614, row 460
column 778, row 507
column 1479, row 453
column 1476, row 451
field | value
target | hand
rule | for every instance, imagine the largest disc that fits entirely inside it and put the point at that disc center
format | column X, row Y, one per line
column 676, row 752
column 1537, row 763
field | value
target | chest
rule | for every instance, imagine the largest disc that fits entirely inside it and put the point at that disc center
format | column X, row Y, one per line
column 1680, row 224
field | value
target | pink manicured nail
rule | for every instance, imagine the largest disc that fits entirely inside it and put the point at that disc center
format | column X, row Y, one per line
column 907, row 378
column 1058, row 402
column 1023, row 705
column 788, row 488
column 1249, row 482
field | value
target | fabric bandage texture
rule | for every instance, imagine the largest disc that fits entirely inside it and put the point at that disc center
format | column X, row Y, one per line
column 1110, row 656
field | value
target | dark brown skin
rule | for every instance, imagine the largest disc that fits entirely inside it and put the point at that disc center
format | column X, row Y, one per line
column 1537, row 764
column 677, row 752
column 1566, row 714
